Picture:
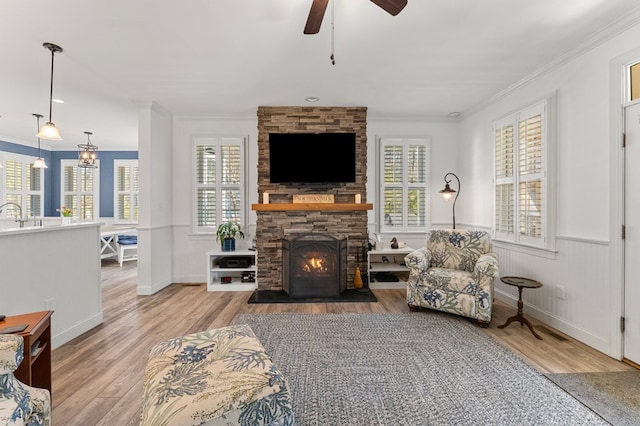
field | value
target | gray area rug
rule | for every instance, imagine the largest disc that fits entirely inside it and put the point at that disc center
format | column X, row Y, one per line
column 615, row 396
column 421, row 368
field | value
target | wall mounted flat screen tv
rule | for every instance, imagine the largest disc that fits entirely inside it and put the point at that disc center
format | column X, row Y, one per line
column 312, row 158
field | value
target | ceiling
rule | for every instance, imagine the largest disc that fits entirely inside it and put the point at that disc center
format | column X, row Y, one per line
column 226, row 58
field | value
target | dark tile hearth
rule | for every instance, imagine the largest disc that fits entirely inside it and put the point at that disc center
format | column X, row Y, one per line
column 280, row 296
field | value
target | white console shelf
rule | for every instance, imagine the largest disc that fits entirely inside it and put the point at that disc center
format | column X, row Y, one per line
column 394, row 265
column 215, row 272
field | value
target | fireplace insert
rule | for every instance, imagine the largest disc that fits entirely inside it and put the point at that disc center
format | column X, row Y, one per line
column 314, row 265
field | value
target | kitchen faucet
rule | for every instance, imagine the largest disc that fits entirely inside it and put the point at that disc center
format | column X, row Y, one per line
column 19, row 218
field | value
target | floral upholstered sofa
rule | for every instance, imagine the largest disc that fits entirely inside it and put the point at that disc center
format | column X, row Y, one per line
column 19, row 404
column 454, row 273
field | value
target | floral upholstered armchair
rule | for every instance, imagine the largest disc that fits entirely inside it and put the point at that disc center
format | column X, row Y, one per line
column 19, row 404
column 454, row 273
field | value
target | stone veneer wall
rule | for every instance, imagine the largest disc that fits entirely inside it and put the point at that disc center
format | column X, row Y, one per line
column 273, row 226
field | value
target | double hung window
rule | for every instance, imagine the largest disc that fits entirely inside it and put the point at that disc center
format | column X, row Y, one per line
column 521, row 191
column 80, row 190
column 23, row 185
column 219, row 182
column 125, row 189
column 403, row 184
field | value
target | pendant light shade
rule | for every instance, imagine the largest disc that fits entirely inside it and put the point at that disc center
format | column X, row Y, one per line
column 39, row 163
column 88, row 154
column 49, row 130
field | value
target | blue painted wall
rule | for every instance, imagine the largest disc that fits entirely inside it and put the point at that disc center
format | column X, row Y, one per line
column 52, row 174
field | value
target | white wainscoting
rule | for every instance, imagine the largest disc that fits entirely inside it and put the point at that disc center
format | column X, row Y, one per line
column 578, row 294
column 189, row 256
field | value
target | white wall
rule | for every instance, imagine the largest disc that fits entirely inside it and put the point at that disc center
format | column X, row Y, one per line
column 189, row 259
column 155, row 241
column 55, row 264
column 586, row 261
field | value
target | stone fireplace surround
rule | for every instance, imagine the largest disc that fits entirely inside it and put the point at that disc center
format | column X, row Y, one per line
column 273, row 224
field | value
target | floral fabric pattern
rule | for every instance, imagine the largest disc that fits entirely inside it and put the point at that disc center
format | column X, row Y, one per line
column 217, row 377
column 454, row 273
column 19, row 404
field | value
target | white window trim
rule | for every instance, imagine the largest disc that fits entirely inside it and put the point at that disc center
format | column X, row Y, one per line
column 549, row 117
column 381, row 141
column 242, row 141
column 96, row 187
column 27, row 161
column 132, row 192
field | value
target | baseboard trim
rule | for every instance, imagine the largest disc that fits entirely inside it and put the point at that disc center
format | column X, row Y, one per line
column 76, row 330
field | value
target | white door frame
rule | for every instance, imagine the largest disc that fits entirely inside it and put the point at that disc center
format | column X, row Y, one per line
column 618, row 90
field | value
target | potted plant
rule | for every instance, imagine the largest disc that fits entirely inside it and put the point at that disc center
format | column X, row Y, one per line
column 226, row 235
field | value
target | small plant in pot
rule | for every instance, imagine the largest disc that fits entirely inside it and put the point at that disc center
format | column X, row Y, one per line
column 226, row 235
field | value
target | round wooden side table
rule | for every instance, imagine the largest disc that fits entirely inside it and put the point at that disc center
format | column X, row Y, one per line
column 520, row 283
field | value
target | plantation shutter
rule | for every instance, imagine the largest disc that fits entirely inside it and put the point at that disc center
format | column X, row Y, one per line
column 79, row 190
column 393, row 172
column 530, row 168
column 403, row 185
column 504, row 181
column 126, row 191
column 230, row 157
column 219, row 182
column 69, row 187
column 206, row 181
column 13, row 186
column 417, row 170
column 520, row 176
column 23, row 186
column 34, row 191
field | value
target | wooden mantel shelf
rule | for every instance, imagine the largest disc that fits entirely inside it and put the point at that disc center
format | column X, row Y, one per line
column 311, row 207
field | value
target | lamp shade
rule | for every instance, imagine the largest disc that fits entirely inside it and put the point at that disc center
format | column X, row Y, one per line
column 39, row 164
column 447, row 192
column 49, row 131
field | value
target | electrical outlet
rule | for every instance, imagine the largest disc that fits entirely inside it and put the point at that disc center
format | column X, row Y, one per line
column 50, row 304
column 560, row 293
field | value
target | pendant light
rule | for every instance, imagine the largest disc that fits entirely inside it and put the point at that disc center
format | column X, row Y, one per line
column 39, row 163
column 88, row 154
column 49, row 130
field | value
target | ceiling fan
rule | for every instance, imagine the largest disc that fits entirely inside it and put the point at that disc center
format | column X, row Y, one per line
column 318, row 8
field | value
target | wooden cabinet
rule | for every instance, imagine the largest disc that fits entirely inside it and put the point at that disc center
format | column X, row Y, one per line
column 230, row 265
column 387, row 268
column 35, row 369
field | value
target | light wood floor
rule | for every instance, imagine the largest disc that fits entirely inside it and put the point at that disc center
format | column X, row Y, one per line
column 97, row 377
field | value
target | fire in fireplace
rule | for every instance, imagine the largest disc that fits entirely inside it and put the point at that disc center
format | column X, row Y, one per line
column 314, row 265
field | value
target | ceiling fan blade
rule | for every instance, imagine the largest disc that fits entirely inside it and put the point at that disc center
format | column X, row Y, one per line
column 391, row 6
column 316, row 14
